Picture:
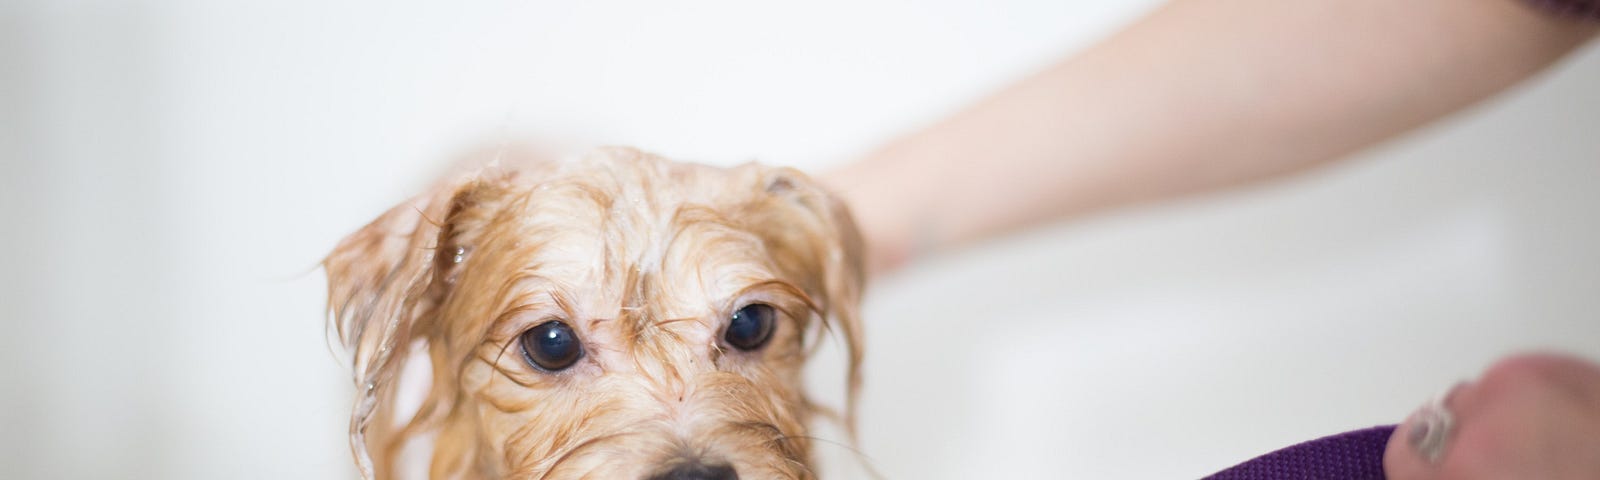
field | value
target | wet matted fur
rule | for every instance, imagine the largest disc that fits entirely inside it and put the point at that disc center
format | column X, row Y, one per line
column 645, row 259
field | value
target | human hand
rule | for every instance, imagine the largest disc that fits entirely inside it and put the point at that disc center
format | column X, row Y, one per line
column 1529, row 416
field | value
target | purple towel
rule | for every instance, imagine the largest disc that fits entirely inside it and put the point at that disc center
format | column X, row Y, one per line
column 1572, row 8
column 1354, row 455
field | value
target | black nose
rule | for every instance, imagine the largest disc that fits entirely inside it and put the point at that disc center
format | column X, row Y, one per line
column 697, row 471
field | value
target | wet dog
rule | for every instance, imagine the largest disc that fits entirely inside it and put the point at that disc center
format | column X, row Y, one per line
column 621, row 316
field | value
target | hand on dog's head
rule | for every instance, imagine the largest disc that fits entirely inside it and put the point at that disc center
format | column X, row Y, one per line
column 622, row 316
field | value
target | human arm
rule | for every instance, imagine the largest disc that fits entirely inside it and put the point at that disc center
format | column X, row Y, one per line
column 1198, row 95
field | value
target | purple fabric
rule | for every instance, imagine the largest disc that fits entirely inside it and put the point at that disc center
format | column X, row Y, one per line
column 1570, row 8
column 1354, row 455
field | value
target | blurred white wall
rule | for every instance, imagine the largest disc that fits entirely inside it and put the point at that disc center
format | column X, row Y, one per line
column 172, row 172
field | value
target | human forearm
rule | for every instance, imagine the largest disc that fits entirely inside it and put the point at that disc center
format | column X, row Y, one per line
column 1200, row 94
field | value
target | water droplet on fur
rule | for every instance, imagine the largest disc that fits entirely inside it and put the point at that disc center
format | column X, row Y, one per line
column 461, row 254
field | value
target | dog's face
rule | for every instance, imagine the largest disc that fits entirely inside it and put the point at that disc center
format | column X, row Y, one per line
column 619, row 317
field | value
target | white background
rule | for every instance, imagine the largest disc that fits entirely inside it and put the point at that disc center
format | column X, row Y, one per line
column 174, row 171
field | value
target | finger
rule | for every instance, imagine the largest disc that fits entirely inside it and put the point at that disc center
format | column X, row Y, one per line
column 1570, row 376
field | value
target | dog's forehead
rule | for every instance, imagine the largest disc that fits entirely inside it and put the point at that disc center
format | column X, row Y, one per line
column 623, row 234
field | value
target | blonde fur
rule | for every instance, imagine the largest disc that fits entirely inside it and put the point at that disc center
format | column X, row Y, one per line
column 645, row 259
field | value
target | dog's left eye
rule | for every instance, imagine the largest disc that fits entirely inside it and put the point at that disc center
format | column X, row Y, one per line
column 751, row 326
column 552, row 346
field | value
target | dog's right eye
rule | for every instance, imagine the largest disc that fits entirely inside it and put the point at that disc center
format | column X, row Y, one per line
column 750, row 327
column 551, row 346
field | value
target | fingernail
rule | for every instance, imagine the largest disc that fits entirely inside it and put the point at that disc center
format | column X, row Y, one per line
column 1429, row 428
column 1416, row 430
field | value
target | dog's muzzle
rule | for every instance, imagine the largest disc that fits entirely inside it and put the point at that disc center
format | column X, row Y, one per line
column 696, row 470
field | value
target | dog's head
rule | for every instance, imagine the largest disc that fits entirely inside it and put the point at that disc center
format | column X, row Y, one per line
column 622, row 316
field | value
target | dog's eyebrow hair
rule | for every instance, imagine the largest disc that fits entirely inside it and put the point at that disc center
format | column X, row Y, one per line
column 527, row 301
column 779, row 285
column 562, row 301
column 509, row 287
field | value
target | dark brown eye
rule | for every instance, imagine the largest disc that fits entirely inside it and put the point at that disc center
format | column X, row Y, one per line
column 751, row 326
column 551, row 346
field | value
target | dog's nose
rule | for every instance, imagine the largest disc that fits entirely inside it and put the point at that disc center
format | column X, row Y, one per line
column 697, row 471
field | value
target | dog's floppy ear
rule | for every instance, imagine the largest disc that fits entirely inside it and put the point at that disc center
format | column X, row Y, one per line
column 823, row 242
column 386, row 280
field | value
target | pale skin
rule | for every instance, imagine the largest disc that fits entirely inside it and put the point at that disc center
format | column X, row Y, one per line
column 1206, row 94
column 1200, row 95
column 1528, row 416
